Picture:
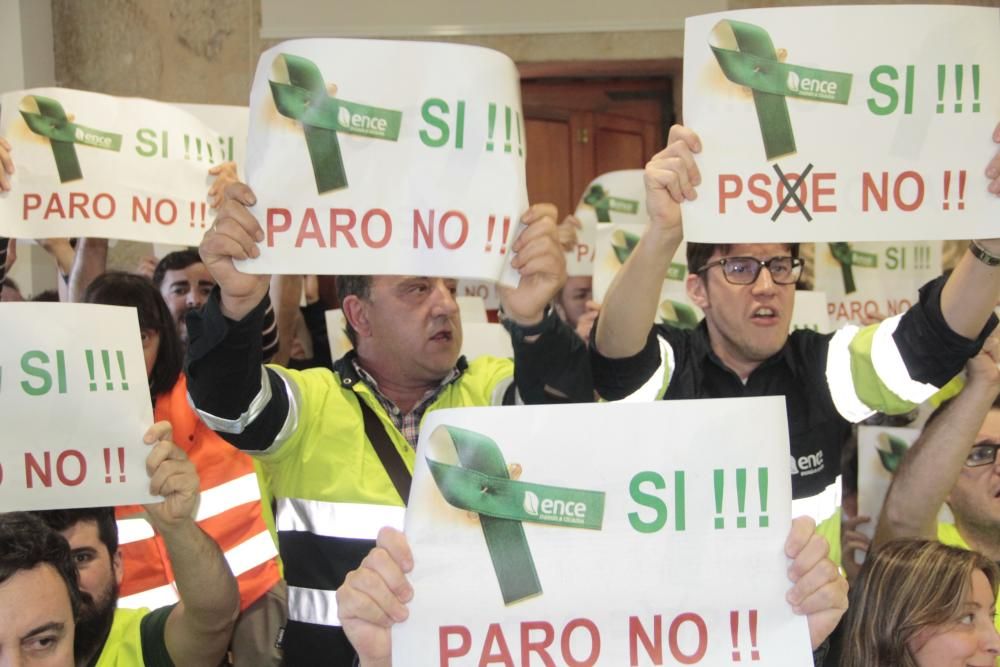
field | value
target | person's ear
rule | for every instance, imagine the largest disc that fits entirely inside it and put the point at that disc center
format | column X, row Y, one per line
column 116, row 565
column 356, row 312
column 697, row 290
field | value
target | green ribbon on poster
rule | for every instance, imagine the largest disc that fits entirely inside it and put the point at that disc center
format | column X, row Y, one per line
column 604, row 203
column 747, row 57
column 45, row 117
column 300, row 93
column 849, row 258
column 482, row 484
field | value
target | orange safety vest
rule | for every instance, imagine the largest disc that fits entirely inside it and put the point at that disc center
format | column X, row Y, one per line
column 230, row 512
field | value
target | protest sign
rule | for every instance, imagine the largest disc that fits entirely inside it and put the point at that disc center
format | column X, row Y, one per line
column 74, row 404
column 865, row 281
column 102, row 166
column 808, row 139
column 575, row 535
column 408, row 161
column 617, row 197
column 880, row 451
column 615, row 242
column 810, row 312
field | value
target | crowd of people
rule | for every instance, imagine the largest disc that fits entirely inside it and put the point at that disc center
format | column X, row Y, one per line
column 278, row 540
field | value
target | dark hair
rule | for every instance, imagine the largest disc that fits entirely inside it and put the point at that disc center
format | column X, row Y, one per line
column 104, row 517
column 46, row 296
column 116, row 288
column 698, row 253
column 174, row 261
column 26, row 542
column 359, row 286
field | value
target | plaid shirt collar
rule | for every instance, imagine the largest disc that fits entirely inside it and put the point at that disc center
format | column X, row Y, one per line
column 409, row 423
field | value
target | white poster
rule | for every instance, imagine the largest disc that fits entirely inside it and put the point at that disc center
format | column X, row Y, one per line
column 828, row 123
column 880, row 451
column 373, row 156
column 810, row 312
column 867, row 281
column 618, row 197
column 119, row 168
column 664, row 552
column 615, row 242
column 74, row 404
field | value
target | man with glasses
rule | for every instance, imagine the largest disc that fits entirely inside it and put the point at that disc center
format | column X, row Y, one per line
column 743, row 348
column 955, row 461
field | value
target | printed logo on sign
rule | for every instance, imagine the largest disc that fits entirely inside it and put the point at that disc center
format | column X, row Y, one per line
column 555, row 510
column 92, row 139
column 809, row 464
column 363, row 124
column 810, row 87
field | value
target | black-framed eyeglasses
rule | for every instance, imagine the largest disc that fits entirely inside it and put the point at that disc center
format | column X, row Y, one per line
column 744, row 270
column 982, row 454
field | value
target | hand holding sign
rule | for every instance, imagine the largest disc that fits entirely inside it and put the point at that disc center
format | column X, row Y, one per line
column 6, row 165
column 671, row 177
column 819, row 591
column 373, row 598
column 539, row 260
column 172, row 476
column 235, row 235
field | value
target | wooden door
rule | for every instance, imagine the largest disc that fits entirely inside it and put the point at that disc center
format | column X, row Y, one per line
column 579, row 129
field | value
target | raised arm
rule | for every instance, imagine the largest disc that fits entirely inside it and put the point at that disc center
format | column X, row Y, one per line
column 199, row 627
column 932, row 466
column 90, row 261
column 629, row 307
column 227, row 384
column 551, row 363
column 972, row 290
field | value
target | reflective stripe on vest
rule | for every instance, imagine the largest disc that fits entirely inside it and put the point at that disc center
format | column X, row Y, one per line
column 154, row 598
column 312, row 605
column 348, row 520
column 840, row 379
column 656, row 386
column 820, row 506
column 890, row 367
column 227, row 495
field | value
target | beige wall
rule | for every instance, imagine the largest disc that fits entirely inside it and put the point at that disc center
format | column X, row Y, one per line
column 206, row 50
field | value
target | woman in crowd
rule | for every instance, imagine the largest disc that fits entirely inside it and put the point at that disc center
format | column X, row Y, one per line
column 919, row 603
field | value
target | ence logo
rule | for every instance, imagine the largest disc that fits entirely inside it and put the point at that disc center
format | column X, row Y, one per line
column 300, row 93
column 45, row 117
column 747, row 57
column 481, row 484
column 558, row 511
column 809, row 87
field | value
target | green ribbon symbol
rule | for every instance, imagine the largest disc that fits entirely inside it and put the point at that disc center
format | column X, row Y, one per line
column 300, row 93
column 45, row 117
column 604, row 203
column 623, row 243
column 848, row 259
column 747, row 57
column 482, row 484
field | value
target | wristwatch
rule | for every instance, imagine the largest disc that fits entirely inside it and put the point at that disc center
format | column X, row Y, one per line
column 982, row 254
